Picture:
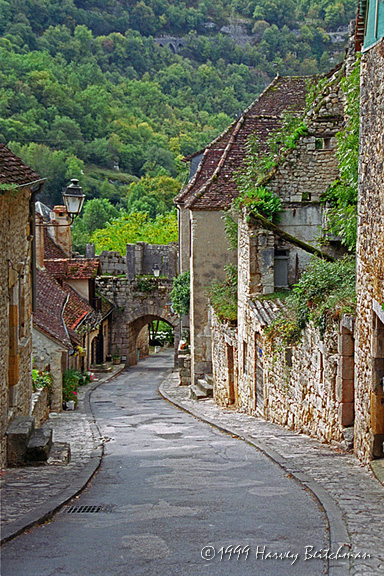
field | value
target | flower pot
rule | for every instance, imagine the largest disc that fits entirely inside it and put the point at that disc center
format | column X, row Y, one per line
column 70, row 405
column 116, row 360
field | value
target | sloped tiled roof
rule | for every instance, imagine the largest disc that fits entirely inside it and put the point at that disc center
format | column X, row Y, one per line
column 106, row 307
column 73, row 268
column 213, row 187
column 51, row 250
column 50, row 300
column 265, row 311
column 76, row 308
column 13, row 170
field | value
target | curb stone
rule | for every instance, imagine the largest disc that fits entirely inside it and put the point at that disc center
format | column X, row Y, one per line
column 47, row 510
column 338, row 533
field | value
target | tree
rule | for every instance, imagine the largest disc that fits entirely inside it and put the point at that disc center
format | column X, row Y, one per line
column 181, row 293
column 136, row 227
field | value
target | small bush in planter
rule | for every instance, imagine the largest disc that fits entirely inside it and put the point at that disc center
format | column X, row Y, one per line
column 71, row 379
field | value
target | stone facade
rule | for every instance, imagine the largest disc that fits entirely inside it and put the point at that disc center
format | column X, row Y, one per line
column 225, row 368
column 15, row 309
column 370, row 261
column 49, row 354
column 307, row 387
column 19, row 184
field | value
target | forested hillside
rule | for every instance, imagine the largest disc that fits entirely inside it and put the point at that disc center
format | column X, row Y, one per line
column 86, row 90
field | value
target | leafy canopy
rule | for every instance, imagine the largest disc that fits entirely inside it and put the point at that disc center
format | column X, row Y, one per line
column 136, row 227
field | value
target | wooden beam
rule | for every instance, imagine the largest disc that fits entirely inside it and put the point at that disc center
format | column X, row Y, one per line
column 268, row 225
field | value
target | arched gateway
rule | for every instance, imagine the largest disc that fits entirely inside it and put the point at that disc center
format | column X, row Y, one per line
column 137, row 302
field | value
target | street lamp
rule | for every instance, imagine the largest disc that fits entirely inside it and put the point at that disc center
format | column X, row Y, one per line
column 156, row 271
column 73, row 199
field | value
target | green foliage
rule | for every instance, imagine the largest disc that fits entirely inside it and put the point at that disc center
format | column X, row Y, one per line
column 95, row 215
column 136, row 227
column 71, row 382
column 231, row 228
column 181, row 291
column 325, row 291
column 41, row 380
column 145, row 284
column 342, row 195
column 86, row 79
column 153, row 195
column 223, row 295
column 262, row 201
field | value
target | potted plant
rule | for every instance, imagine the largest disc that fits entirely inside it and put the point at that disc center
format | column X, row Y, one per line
column 116, row 358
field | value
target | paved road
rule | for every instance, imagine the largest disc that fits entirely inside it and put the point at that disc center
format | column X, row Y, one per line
column 171, row 487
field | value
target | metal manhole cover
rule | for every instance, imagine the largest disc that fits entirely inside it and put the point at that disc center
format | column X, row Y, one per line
column 90, row 509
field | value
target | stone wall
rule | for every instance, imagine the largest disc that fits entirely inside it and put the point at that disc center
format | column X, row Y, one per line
column 49, row 355
column 40, row 406
column 137, row 303
column 184, row 365
column 307, row 387
column 209, row 256
column 301, row 385
column 113, row 263
column 141, row 259
column 15, row 309
column 369, row 404
column 224, row 363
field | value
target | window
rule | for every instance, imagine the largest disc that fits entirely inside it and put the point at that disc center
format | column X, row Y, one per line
column 281, row 268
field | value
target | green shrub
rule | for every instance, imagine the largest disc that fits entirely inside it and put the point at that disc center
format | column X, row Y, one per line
column 325, row 291
column 71, row 382
column 41, row 380
column 223, row 295
column 181, row 293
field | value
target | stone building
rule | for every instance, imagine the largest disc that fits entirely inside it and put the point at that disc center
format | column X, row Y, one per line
column 369, row 401
column 308, row 386
column 139, row 296
column 71, row 325
column 18, row 187
column 212, row 188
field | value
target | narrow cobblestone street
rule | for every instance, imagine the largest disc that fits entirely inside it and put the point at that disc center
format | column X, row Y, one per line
column 172, row 486
column 354, row 496
column 174, row 495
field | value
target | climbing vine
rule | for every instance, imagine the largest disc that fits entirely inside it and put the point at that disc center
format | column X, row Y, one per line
column 325, row 291
column 223, row 295
column 341, row 198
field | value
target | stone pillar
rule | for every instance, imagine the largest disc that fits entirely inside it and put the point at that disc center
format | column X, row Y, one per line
column 90, row 251
column 345, row 377
column 130, row 261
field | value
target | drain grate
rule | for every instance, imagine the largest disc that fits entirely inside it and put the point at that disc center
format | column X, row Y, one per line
column 95, row 509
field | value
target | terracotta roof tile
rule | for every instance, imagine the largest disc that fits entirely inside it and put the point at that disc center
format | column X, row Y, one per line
column 76, row 308
column 51, row 250
column 74, row 268
column 50, row 299
column 13, row 170
column 213, row 187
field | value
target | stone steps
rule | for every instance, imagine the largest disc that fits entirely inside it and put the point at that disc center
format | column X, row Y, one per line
column 203, row 390
column 30, row 446
column 205, row 386
column 39, row 446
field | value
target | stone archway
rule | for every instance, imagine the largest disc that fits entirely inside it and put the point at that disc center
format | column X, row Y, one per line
column 135, row 329
column 136, row 305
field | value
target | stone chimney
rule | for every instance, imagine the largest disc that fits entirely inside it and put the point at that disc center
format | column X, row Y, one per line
column 39, row 234
column 59, row 229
